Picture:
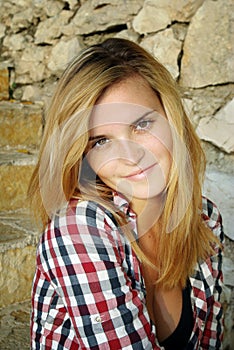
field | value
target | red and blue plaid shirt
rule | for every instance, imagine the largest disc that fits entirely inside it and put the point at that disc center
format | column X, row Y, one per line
column 88, row 291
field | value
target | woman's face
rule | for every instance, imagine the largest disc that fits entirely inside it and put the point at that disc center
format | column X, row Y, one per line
column 130, row 142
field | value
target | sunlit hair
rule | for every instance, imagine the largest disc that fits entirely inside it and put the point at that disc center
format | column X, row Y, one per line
column 82, row 84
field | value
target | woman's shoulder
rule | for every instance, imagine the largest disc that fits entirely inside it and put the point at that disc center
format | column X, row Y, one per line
column 78, row 215
column 212, row 217
column 81, row 226
column 89, row 210
column 77, row 220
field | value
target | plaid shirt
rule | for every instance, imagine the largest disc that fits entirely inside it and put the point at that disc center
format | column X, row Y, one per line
column 88, row 291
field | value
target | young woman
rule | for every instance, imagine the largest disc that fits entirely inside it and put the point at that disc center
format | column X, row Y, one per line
column 130, row 257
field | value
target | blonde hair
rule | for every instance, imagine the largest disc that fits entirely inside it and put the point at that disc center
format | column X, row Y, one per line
column 83, row 82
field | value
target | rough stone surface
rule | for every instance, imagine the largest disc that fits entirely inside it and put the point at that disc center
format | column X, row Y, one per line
column 20, row 124
column 201, row 60
column 228, row 295
column 51, row 29
column 17, row 257
column 2, row 30
column 220, row 161
column 158, row 14
column 205, row 102
column 62, row 54
column 37, row 93
column 4, row 82
column 14, row 325
column 151, row 18
column 182, row 11
column 166, row 54
column 22, row 18
column 14, row 42
column 217, row 187
column 14, row 179
column 30, row 65
column 228, row 341
column 17, row 270
column 105, row 14
column 128, row 34
column 219, row 129
column 50, row 8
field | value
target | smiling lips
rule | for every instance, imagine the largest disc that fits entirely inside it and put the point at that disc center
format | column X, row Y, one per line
column 140, row 174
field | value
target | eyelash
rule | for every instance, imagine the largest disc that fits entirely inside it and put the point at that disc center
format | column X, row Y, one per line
column 147, row 121
column 97, row 144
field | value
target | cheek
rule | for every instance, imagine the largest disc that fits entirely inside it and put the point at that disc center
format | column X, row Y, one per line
column 162, row 153
column 95, row 160
column 101, row 166
column 155, row 147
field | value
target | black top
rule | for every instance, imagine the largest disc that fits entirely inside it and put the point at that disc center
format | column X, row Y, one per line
column 180, row 337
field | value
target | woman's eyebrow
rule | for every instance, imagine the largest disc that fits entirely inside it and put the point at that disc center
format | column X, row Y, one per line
column 143, row 116
column 92, row 138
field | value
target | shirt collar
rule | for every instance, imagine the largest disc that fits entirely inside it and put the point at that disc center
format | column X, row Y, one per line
column 123, row 205
column 121, row 202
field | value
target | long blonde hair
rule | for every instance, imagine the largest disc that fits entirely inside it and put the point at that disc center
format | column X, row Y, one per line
column 57, row 171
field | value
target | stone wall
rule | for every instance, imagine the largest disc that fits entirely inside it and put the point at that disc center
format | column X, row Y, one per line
column 192, row 38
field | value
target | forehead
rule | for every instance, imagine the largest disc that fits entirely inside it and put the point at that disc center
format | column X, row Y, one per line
column 125, row 102
column 117, row 113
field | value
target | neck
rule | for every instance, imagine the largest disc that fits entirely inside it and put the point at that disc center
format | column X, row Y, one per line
column 148, row 212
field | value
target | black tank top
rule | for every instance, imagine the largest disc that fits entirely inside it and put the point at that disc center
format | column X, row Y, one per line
column 178, row 340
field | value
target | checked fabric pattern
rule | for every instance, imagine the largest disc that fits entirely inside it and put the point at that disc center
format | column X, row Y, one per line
column 88, row 291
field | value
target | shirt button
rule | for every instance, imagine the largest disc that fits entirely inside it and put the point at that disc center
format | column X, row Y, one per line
column 98, row 319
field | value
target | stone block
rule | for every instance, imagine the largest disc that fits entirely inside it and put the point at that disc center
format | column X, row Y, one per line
column 14, row 325
column 62, row 53
column 208, row 46
column 17, row 260
column 165, row 48
column 117, row 12
column 15, row 173
column 20, row 124
column 4, row 83
column 219, row 129
column 217, row 187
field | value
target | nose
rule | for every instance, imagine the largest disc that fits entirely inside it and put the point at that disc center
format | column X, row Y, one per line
column 130, row 152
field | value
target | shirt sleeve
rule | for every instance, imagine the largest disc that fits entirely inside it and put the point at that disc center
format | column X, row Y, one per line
column 83, row 258
column 213, row 332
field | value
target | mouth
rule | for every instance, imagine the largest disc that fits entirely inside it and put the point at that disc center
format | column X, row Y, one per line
column 140, row 174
